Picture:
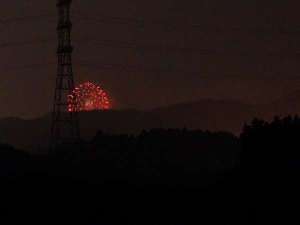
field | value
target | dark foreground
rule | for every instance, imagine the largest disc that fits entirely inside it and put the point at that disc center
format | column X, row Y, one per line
column 160, row 177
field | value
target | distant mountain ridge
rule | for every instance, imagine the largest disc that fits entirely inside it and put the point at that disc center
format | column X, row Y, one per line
column 205, row 114
column 286, row 105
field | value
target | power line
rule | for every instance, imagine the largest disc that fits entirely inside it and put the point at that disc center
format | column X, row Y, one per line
column 27, row 67
column 13, row 44
column 26, row 19
column 144, row 47
column 169, row 25
column 160, row 48
column 148, row 49
column 166, row 25
column 121, row 68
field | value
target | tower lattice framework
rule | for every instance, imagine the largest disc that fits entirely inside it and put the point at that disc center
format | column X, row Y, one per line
column 65, row 124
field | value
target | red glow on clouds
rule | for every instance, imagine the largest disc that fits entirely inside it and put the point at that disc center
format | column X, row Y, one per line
column 88, row 97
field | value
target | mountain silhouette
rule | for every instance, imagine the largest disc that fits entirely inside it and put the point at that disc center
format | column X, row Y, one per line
column 286, row 105
column 208, row 114
column 205, row 114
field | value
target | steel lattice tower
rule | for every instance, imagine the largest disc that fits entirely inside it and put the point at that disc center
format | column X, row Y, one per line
column 65, row 125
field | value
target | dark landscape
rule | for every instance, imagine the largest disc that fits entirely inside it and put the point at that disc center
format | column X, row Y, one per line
column 160, row 176
column 161, row 112
column 212, row 115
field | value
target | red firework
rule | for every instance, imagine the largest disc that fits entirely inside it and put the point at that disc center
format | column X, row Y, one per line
column 88, row 97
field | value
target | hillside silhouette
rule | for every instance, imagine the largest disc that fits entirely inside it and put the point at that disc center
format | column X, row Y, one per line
column 270, row 164
column 166, row 175
column 214, row 115
column 124, row 177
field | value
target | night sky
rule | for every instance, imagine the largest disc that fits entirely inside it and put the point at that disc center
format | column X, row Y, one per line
column 152, row 53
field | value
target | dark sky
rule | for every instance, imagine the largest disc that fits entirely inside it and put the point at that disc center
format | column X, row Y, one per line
column 152, row 53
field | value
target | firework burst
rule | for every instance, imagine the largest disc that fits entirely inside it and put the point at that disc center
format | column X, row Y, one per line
column 88, row 97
